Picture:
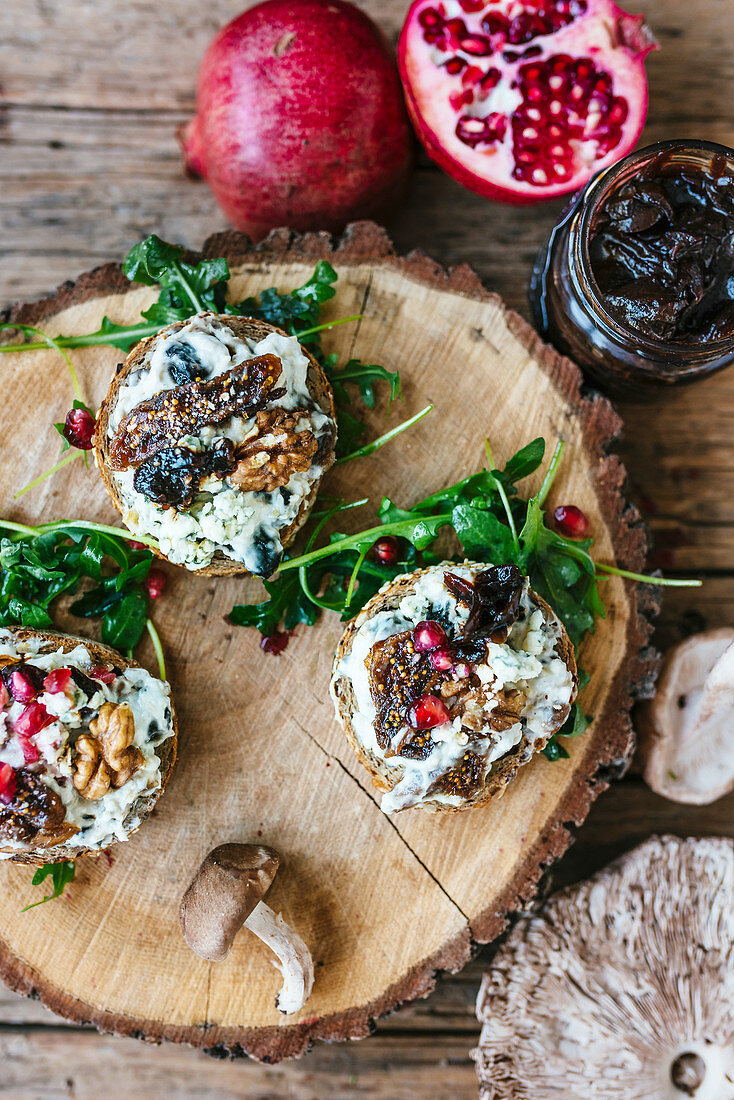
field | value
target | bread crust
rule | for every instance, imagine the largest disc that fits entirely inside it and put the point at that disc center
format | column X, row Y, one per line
column 245, row 328
column 504, row 770
column 53, row 850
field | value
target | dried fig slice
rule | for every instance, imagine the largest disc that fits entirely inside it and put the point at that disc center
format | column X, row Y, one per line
column 162, row 420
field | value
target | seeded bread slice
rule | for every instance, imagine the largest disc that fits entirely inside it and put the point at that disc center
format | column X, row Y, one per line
column 246, row 328
column 52, row 848
column 503, row 770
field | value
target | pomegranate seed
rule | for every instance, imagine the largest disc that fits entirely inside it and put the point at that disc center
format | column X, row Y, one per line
column 441, row 659
column 430, row 18
column 454, row 65
column 57, row 680
column 79, row 429
column 428, row 635
column 34, row 718
column 275, row 643
column 471, row 75
column 8, row 783
column 571, row 521
column 136, row 545
column 4, row 695
column 495, row 24
column 387, row 550
column 462, row 99
column 21, row 687
column 105, row 675
column 427, row 712
column 477, row 45
column 471, row 5
column 156, row 582
column 462, row 670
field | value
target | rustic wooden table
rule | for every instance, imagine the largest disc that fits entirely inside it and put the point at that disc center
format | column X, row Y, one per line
column 91, row 92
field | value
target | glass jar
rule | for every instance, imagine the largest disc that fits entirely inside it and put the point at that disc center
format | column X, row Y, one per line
column 568, row 306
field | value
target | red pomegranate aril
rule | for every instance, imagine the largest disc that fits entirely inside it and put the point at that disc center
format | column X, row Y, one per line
column 156, row 582
column 461, row 99
column 33, row 719
column 57, row 680
column 428, row 635
column 275, row 643
column 104, row 675
column 428, row 711
column 21, row 687
column 454, row 65
column 476, row 45
column 571, row 521
column 8, row 783
column 441, row 659
column 462, row 670
column 494, row 23
column 137, row 545
column 472, row 5
column 79, row 429
column 471, row 75
column 429, row 18
column 387, row 550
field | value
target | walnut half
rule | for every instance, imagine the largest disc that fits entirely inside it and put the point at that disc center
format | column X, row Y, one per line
column 268, row 458
column 106, row 757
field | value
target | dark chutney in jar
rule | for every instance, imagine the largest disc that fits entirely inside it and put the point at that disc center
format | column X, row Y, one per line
column 637, row 281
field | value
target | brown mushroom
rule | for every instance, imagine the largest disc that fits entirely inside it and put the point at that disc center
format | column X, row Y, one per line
column 226, row 895
column 686, row 732
column 622, row 987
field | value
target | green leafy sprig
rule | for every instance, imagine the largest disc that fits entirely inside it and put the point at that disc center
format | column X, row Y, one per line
column 61, row 875
column 39, row 564
column 491, row 522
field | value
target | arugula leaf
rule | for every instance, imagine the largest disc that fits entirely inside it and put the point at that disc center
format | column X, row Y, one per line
column 185, row 288
column 526, row 461
column 364, row 376
column 61, row 875
column 36, row 569
column 286, row 603
column 298, row 310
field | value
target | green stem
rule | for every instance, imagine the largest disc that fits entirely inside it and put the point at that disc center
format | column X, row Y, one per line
column 303, row 572
column 353, row 578
column 550, row 473
column 370, row 448
column 42, row 477
column 77, row 525
column 50, row 342
column 503, row 496
column 327, row 325
column 20, row 528
column 667, row 582
column 355, row 542
column 135, row 332
column 158, row 647
column 197, row 304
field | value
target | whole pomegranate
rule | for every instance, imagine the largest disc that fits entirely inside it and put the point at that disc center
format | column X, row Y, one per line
column 300, row 119
column 522, row 100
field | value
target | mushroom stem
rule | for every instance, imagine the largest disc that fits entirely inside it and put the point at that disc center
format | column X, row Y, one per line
column 295, row 962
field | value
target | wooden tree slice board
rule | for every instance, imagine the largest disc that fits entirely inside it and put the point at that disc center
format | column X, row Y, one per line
column 383, row 902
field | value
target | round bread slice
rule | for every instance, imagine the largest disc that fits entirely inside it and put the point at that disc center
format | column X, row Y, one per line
column 246, row 328
column 503, row 770
column 52, row 847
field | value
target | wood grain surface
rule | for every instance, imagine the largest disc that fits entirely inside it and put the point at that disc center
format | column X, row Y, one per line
column 91, row 93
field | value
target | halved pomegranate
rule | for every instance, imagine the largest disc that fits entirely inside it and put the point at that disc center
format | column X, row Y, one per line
column 522, row 100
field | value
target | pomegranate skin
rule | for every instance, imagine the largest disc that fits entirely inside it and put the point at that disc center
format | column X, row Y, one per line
column 604, row 34
column 300, row 119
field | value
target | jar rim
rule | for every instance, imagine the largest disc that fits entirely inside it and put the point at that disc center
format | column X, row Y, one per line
column 587, row 205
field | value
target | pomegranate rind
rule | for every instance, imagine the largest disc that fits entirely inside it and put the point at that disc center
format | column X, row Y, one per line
column 613, row 40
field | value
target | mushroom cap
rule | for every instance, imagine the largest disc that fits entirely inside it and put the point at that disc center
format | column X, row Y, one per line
column 231, row 881
column 621, row 986
column 686, row 732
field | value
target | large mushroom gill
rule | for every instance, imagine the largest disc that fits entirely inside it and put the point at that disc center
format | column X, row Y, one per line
column 622, row 988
